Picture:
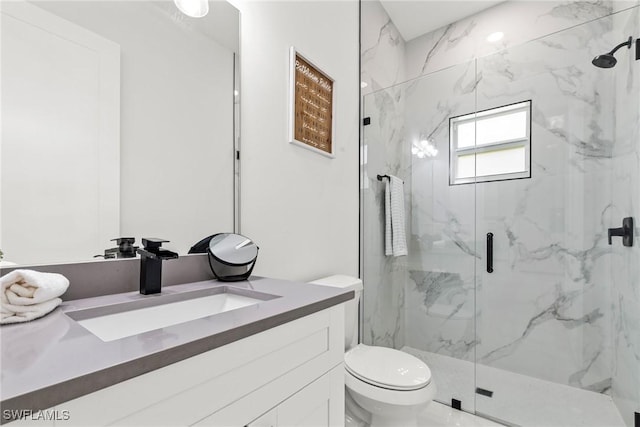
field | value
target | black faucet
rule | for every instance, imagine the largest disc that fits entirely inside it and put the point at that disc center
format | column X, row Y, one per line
column 151, row 264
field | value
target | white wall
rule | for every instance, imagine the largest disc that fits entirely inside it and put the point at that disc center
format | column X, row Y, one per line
column 301, row 208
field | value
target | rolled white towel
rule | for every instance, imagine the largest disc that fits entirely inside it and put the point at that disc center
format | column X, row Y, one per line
column 27, row 294
column 23, row 313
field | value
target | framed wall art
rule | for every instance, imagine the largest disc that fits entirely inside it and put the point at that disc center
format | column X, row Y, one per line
column 311, row 121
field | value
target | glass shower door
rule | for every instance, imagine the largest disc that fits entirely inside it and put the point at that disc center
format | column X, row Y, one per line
column 544, row 352
column 625, row 195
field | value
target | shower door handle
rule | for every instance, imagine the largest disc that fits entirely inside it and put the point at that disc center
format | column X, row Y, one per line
column 489, row 252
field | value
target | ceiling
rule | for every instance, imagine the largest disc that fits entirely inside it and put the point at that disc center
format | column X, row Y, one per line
column 414, row 18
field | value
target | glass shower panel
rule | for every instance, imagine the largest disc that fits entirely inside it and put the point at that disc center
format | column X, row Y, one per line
column 625, row 191
column 423, row 303
column 383, row 152
column 544, row 350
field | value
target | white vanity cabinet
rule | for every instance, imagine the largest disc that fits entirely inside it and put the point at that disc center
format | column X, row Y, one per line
column 321, row 403
column 289, row 375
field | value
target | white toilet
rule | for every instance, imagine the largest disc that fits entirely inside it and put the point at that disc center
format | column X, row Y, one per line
column 392, row 387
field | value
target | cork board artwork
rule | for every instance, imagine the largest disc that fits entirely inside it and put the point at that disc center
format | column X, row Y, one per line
column 311, row 124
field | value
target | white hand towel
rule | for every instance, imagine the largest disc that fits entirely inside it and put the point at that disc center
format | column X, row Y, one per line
column 395, row 236
column 388, row 242
column 27, row 294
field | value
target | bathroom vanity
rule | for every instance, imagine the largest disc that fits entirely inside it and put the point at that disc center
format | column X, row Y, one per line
column 274, row 361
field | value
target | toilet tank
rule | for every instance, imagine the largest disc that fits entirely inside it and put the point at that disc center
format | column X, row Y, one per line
column 351, row 306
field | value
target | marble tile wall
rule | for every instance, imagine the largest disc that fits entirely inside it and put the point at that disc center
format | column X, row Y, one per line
column 546, row 311
column 520, row 21
column 382, row 49
column 382, row 152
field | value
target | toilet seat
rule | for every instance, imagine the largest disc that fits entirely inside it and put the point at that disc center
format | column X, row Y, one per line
column 385, row 396
column 387, row 368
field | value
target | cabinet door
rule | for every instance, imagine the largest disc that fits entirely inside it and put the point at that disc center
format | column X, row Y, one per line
column 60, row 103
column 270, row 419
column 321, row 403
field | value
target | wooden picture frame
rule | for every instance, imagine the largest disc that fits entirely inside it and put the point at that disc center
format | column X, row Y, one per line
column 311, row 106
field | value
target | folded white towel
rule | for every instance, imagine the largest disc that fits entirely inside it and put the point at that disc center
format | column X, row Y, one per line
column 27, row 294
column 395, row 236
column 23, row 313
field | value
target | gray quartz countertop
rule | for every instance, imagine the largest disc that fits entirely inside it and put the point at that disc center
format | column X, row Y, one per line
column 54, row 359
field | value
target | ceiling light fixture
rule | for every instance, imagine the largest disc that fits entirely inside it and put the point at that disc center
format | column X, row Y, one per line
column 193, row 8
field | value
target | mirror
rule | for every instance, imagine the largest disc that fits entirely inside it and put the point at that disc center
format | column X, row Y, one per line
column 117, row 121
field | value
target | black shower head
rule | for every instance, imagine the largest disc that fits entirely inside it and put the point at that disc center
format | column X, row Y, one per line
column 607, row 60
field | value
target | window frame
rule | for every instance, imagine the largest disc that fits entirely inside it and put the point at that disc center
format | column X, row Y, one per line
column 455, row 152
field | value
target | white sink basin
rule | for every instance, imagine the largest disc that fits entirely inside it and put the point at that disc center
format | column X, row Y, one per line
column 127, row 319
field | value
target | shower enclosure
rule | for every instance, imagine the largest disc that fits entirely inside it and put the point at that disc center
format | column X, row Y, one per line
column 531, row 155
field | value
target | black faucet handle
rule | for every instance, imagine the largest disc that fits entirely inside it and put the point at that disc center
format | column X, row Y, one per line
column 626, row 232
column 614, row 232
column 152, row 243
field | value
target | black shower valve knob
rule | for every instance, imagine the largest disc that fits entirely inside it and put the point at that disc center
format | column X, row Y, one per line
column 626, row 232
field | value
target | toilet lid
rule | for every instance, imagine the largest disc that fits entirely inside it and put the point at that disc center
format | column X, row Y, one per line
column 387, row 368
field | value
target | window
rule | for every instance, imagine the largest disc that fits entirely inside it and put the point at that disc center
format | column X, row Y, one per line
column 491, row 145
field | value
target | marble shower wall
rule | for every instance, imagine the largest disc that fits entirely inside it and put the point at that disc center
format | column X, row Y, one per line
column 382, row 152
column 382, row 49
column 520, row 21
column 387, row 59
column 562, row 305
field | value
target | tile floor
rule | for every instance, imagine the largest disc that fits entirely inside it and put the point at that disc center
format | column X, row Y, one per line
column 517, row 399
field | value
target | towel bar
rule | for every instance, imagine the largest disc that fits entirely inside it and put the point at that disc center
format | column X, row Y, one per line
column 381, row 177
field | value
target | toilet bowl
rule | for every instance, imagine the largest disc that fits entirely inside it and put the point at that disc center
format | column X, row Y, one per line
column 394, row 387
column 384, row 386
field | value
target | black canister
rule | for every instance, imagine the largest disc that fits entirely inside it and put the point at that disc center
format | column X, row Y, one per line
column 232, row 256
